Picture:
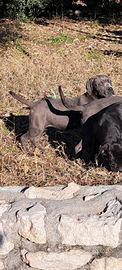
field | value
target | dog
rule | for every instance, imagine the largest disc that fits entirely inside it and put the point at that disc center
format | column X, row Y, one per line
column 41, row 116
column 97, row 87
column 88, row 115
column 90, row 110
column 106, row 144
column 87, row 111
column 44, row 114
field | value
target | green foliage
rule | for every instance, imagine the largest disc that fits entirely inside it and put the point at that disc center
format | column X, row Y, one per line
column 15, row 8
column 93, row 54
column 35, row 185
column 53, row 94
column 94, row 23
column 35, row 6
column 5, row 131
column 62, row 38
column 21, row 49
column 23, row 9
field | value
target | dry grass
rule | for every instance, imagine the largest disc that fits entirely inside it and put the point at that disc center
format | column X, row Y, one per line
column 34, row 60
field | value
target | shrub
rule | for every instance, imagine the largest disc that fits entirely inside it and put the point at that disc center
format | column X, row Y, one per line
column 22, row 8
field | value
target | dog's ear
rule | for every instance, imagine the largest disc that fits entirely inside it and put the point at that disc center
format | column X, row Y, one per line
column 89, row 86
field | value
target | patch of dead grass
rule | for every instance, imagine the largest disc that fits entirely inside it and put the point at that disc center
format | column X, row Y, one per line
column 34, row 60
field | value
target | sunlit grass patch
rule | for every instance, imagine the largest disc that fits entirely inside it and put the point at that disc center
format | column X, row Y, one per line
column 93, row 54
column 60, row 39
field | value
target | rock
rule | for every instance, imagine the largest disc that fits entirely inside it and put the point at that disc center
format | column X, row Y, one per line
column 3, row 207
column 78, row 12
column 110, row 263
column 5, row 246
column 1, row 265
column 65, row 193
column 67, row 260
column 65, row 228
column 31, row 223
column 90, row 197
column 92, row 230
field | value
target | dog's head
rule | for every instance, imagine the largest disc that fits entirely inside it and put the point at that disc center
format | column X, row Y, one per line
column 110, row 156
column 99, row 86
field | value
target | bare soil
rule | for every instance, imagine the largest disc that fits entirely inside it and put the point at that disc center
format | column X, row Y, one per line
column 35, row 58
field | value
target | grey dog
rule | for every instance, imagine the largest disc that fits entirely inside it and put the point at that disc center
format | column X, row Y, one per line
column 41, row 117
column 98, row 87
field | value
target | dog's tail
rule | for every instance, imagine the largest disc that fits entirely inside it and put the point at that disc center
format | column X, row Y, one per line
column 21, row 99
column 64, row 100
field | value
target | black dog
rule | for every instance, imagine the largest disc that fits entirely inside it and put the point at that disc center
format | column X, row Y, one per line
column 105, row 137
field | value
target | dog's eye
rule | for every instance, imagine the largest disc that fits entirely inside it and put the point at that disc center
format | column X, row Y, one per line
column 100, row 84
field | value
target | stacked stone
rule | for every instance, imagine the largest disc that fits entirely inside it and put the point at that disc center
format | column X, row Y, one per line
column 61, row 228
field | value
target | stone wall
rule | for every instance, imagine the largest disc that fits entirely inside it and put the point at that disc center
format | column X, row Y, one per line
column 61, row 228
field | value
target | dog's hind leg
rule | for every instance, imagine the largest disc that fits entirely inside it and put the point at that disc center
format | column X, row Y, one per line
column 34, row 138
column 24, row 141
column 35, row 142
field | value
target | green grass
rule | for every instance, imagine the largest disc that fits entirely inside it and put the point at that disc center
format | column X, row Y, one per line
column 94, row 23
column 93, row 54
column 60, row 39
column 54, row 95
column 21, row 49
column 5, row 131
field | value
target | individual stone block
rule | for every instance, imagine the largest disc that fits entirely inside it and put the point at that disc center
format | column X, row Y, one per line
column 92, row 230
column 67, row 260
column 110, row 263
column 31, row 223
column 5, row 246
column 63, row 194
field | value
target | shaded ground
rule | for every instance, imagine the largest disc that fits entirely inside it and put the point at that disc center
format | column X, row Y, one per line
column 36, row 58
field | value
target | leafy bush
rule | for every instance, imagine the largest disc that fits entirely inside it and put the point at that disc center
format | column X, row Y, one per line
column 23, row 8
